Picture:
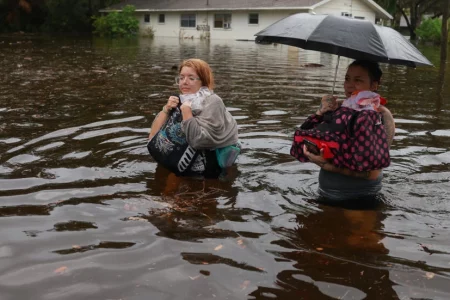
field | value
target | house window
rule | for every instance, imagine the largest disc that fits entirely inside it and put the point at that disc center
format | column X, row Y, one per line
column 253, row 19
column 146, row 18
column 346, row 14
column 222, row 21
column 162, row 19
column 188, row 20
column 359, row 18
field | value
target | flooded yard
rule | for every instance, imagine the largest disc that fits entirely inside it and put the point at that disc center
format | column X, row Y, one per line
column 85, row 213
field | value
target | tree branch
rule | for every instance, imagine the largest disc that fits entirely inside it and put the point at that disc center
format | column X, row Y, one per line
column 429, row 6
column 404, row 16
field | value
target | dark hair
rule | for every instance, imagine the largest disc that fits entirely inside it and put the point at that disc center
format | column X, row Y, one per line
column 373, row 68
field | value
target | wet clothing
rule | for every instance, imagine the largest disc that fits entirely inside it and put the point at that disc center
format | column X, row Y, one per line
column 351, row 139
column 187, row 148
column 213, row 127
column 335, row 187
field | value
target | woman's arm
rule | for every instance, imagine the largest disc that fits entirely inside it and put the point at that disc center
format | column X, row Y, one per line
column 389, row 124
column 327, row 166
column 163, row 115
column 159, row 121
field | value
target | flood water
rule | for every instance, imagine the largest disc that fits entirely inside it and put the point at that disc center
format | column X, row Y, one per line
column 85, row 213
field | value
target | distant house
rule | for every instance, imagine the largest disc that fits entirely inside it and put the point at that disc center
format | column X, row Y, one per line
column 236, row 19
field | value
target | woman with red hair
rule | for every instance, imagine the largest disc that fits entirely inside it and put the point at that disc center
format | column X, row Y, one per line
column 194, row 134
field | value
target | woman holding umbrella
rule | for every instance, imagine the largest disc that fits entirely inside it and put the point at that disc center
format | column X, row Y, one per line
column 343, row 183
column 357, row 39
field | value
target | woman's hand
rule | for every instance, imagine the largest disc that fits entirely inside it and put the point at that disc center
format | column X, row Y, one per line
column 162, row 117
column 317, row 159
column 172, row 103
column 327, row 166
column 186, row 110
column 328, row 103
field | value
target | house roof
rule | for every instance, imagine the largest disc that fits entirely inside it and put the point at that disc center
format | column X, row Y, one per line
column 379, row 11
column 209, row 5
column 178, row 5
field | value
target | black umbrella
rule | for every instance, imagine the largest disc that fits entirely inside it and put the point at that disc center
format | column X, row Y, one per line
column 353, row 38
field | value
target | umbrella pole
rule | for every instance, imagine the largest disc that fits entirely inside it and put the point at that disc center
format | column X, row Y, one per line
column 335, row 74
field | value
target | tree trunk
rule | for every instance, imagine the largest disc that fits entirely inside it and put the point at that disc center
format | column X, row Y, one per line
column 444, row 45
column 444, row 31
column 413, row 25
column 411, row 29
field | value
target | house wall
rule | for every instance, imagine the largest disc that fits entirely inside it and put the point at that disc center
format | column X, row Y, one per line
column 239, row 29
column 355, row 7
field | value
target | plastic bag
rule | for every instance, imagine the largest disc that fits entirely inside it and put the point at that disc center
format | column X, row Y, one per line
column 226, row 156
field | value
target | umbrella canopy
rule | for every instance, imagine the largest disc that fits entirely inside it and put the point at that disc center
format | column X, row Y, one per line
column 353, row 38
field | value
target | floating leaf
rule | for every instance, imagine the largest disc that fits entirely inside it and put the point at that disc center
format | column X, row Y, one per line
column 60, row 270
column 136, row 219
column 245, row 284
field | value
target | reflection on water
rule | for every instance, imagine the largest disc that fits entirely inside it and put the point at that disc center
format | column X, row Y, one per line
column 86, row 213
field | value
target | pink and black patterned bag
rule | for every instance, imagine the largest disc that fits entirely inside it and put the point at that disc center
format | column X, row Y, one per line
column 351, row 139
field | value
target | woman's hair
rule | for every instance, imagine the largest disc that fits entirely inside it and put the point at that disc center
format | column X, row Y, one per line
column 371, row 67
column 202, row 69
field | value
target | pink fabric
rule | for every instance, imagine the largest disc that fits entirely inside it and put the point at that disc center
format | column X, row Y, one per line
column 363, row 100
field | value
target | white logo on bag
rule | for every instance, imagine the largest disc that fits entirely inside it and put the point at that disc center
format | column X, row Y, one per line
column 186, row 159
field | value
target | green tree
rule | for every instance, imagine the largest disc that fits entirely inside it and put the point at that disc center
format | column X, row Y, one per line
column 430, row 30
column 50, row 15
column 123, row 23
column 412, row 11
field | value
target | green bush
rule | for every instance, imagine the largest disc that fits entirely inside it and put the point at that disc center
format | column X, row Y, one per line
column 430, row 30
column 114, row 24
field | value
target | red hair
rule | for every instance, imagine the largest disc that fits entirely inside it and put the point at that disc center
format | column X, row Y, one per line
column 202, row 69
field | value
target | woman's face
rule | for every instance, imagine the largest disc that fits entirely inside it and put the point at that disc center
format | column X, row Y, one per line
column 358, row 79
column 189, row 82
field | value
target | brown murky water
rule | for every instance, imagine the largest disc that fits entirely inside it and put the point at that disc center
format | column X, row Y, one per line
column 86, row 214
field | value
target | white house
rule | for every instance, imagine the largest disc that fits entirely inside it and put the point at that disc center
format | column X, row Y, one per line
column 236, row 19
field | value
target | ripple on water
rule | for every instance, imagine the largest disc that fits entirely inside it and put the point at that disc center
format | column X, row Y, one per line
column 121, row 139
column 50, row 146
column 231, row 109
column 406, row 121
column 116, row 113
column 77, row 155
column 274, row 113
column 10, row 140
column 106, row 222
column 27, row 125
column 23, row 159
column 5, row 170
column 269, row 122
